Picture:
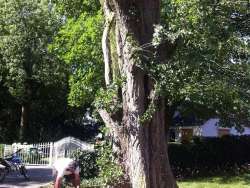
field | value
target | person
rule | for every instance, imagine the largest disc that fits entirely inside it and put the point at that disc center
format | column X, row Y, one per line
column 69, row 168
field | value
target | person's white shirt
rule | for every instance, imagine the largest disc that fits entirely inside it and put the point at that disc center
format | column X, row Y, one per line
column 65, row 166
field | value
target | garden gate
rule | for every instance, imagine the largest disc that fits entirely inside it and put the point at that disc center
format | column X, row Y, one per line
column 46, row 153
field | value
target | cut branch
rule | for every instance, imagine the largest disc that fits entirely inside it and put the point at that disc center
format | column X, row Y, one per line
column 109, row 17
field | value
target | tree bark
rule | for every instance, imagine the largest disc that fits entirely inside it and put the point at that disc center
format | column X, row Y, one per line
column 25, row 110
column 24, row 122
column 143, row 145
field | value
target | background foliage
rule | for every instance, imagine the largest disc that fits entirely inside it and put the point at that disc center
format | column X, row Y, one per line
column 209, row 156
column 208, row 74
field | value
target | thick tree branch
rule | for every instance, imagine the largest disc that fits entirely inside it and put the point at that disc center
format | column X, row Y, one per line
column 109, row 16
column 108, row 120
column 113, row 126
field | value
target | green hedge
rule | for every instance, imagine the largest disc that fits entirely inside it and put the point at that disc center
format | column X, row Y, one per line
column 210, row 155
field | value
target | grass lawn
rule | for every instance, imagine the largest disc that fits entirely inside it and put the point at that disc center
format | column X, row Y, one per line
column 241, row 181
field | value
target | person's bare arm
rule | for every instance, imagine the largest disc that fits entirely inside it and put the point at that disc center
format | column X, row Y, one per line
column 77, row 181
column 58, row 182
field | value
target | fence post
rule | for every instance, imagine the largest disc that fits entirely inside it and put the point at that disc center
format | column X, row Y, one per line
column 51, row 154
column 4, row 152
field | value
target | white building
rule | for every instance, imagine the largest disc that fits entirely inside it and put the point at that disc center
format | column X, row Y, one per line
column 209, row 129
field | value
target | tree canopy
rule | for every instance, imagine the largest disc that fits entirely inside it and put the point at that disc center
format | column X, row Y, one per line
column 78, row 44
column 31, row 74
column 209, row 61
column 135, row 62
column 210, row 68
column 27, row 27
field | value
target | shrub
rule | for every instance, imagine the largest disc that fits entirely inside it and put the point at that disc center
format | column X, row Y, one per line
column 87, row 163
column 110, row 172
column 209, row 155
column 92, row 183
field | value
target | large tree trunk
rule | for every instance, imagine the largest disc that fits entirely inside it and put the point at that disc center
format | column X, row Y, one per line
column 143, row 144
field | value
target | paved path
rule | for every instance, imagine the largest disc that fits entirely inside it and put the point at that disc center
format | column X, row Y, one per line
column 39, row 176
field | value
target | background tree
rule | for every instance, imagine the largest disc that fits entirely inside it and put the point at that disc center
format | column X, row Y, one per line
column 26, row 28
column 80, row 37
column 209, row 72
column 50, row 116
column 8, row 113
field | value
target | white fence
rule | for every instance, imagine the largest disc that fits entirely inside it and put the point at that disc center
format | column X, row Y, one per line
column 32, row 154
column 46, row 153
